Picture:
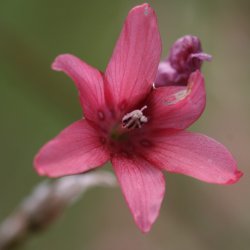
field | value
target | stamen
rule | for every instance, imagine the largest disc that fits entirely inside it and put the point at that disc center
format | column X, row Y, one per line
column 134, row 119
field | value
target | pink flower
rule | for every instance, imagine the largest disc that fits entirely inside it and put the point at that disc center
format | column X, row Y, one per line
column 185, row 57
column 141, row 130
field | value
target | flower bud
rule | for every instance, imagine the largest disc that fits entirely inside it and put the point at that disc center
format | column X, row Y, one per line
column 185, row 57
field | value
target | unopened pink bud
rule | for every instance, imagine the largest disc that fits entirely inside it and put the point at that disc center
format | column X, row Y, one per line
column 185, row 57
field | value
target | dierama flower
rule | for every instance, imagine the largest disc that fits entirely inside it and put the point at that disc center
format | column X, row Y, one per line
column 185, row 57
column 140, row 129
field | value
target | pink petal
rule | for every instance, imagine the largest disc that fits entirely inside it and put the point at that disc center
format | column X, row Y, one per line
column 143, row 187
column 178, row 106
column 195, row 155
column 133, row 66
column 77, row 149
column 89, row 83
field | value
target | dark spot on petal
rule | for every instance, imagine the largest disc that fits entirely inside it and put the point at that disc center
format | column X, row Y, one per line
column 145, row 143
column 125, row 154
column 103, row 140
column 101, row 115
column 112, row 113
column 122, row 106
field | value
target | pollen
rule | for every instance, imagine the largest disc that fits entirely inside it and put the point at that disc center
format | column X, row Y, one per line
column 134, row 119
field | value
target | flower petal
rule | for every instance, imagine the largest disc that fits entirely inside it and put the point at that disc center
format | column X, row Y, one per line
column 195, row 155
column 88, row 80
column 133, row 66
column 143, row 187
column 178, row 106
column 77, row 149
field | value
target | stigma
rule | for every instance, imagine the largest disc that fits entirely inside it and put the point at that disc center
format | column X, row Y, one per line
column 134, row 119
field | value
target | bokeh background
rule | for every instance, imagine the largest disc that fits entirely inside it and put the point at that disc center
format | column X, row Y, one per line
column 36, row 103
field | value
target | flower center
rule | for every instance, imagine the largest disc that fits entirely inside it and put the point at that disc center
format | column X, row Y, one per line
column 134, row 119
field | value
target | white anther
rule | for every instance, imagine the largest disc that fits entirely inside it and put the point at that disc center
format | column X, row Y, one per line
column 143, row 119
column 134, row 119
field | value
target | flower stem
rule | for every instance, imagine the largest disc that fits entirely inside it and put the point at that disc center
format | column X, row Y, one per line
column 46, row 202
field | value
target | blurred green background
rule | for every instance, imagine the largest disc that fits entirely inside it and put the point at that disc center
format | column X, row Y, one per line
column 36, row 103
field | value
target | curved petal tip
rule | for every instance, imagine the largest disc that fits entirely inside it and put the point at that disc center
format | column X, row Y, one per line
column 39, row 170
column 237, row 175
column 57, row 64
